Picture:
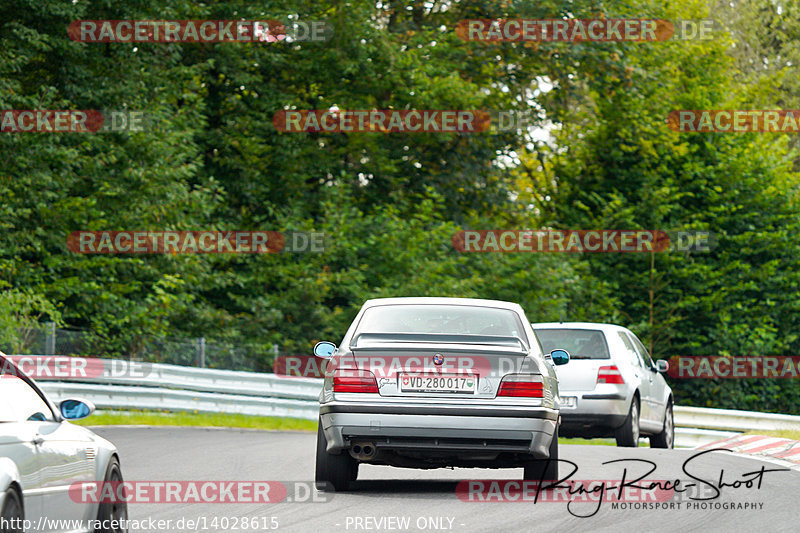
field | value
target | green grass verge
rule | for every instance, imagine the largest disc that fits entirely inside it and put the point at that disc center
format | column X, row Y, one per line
column 792, row 434
column 594, row 442
column 157, row 418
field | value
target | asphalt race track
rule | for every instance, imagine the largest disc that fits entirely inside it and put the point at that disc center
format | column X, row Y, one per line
column 393, row 499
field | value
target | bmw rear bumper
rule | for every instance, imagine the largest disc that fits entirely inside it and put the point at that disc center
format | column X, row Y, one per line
column 437, row 428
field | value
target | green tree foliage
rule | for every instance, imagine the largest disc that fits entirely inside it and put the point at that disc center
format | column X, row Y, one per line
column 617, row 165
column 211, row 159
column 21, row 312
column 389, row 204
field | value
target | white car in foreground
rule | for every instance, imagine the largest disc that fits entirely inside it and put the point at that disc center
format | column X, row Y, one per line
column 611, row 386
column 42, row 456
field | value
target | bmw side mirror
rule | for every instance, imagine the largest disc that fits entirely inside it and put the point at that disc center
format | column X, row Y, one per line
column 662, row 365
column 560, row 357
column 324, row 349
column 75, row 409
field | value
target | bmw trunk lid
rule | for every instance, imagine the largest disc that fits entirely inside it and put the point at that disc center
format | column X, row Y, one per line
column 457, row 367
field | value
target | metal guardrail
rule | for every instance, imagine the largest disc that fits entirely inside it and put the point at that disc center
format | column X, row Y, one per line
column 157, row 399
column 735, row 421
column 219, row 381
column 696, row 426
column 694, row 437
column 178, row 388
column 181, row 388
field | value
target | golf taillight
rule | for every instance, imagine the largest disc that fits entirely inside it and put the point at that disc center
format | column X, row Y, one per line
column 354, row 381
column 522, row 386
column 609, row 374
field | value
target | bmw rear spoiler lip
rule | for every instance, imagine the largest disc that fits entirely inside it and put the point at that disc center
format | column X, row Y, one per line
column 372, row 340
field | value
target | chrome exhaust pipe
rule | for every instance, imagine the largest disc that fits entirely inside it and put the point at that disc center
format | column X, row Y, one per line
column 363, row 451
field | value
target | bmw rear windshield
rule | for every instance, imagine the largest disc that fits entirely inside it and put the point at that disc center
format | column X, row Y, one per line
column 580, row 343
column 442, row 319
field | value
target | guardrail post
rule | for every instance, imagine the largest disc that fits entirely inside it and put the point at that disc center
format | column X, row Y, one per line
column 201, row 355
column 50, row 340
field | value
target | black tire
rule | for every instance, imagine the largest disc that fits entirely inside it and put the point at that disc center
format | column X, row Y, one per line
column 113, row 513
column 543, row 469
column 627, row 434
column 333, row 471
column 12, row 513
column 665, row 439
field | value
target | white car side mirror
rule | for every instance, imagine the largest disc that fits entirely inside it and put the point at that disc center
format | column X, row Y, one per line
column 73, row 409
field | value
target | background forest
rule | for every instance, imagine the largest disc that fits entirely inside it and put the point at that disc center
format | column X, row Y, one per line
column 599, row 155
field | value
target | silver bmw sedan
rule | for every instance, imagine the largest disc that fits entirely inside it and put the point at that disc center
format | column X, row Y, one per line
column 437, row 382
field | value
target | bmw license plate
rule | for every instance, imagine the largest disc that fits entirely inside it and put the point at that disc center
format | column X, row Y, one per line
column 568, row 402
column 454, row 384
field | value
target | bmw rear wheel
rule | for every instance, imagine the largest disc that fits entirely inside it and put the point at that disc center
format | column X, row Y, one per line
column 543, row 469
column 333, row 471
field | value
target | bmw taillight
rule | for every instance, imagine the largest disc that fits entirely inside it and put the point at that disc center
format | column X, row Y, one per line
column 354, row 381
column 609, row 374
column 522, row 386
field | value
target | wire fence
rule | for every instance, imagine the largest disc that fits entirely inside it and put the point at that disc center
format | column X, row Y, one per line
column 198, row 352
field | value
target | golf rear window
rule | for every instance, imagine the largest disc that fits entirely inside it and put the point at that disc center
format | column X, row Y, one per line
column 580, row 343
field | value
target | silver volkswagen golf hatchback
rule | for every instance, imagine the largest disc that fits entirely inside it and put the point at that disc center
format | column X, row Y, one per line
column 612, row 387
